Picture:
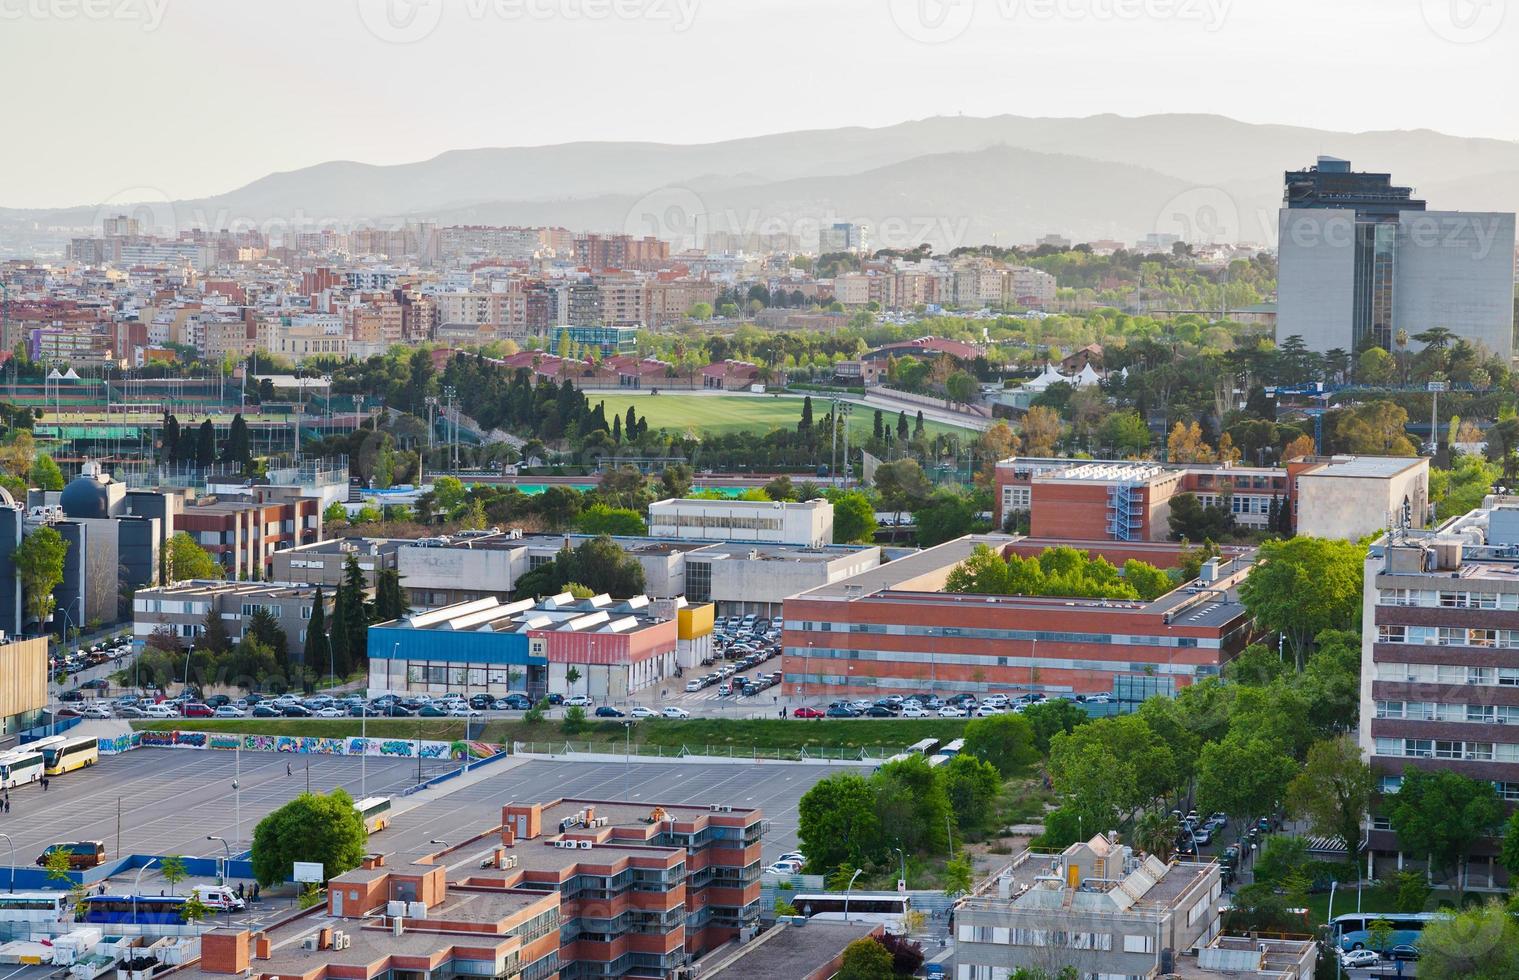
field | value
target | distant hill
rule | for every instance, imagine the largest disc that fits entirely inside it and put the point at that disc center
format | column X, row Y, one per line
column 953, row 180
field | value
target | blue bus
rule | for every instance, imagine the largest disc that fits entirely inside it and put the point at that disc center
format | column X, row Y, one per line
column 132, row 910
column 1353, row 931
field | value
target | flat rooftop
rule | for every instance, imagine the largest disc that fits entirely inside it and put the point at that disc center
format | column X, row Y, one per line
column 1363, row 467
column 902, row 572
column 785, row 952
column 356, row 546
column 217, row 587
column 561, row 613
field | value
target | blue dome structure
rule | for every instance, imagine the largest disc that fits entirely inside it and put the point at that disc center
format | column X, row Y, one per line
column 86, row 496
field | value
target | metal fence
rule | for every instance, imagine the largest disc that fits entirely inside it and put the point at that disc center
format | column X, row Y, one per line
column 823, row 753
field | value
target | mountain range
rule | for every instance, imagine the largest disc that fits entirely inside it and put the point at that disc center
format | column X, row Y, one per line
column 947, row 180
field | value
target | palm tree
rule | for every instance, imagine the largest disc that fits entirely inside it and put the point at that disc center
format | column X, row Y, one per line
column 1155, row 833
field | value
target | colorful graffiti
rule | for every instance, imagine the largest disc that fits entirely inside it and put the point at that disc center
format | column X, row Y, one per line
column 304, row 745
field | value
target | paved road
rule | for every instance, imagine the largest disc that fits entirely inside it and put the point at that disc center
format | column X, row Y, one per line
column 171, row 799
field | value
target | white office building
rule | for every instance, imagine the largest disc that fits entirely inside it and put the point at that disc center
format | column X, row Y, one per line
column 808, row 525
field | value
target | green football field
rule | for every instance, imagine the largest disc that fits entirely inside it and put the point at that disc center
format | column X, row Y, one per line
column 718, row 414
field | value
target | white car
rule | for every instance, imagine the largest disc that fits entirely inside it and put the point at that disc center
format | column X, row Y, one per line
column 913, row 711
column 1098, row 699
column 642, row 711
column 226, row 711
column 159, row 711
column 95, row 711
column 862, row 704
column 785, row 868
column 463, row 711
column 578, row 701
column 950, row 711
column 674, row 712
column 693, row 686
column 796, row 856
column 987, row 710
column 1359, row 958
column 329, row 712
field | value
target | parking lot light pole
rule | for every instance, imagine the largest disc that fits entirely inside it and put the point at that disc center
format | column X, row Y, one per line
column 847, row 889
column 13, row 859
column 226, row 870
column 137, row 885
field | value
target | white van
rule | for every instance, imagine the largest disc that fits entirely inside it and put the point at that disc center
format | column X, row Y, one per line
column 218, row 897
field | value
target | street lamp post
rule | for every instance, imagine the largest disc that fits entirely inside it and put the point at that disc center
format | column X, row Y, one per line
column 627, row 757
column 137, row 885
column 904, row 865
column 226, row 869
column 13, row 859
column 847, row 889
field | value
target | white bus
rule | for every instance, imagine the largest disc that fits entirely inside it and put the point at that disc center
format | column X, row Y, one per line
column 375, row 812
column 953, row 748
column 925, row 747
column 889, row 911
column 71, row 754
column 43, row 744
column 33, row 906
column 20, row 766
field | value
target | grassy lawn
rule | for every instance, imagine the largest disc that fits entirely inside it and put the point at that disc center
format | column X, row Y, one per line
column 720, row 415
column 699, row 735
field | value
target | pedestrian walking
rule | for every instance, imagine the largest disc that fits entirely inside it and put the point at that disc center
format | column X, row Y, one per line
column 44, row 784
column 288, row 770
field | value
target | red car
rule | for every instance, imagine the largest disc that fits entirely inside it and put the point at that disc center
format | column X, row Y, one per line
column 807, row 713
column 197, row 710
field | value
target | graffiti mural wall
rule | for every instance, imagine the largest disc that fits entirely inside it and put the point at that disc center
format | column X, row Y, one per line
column 396, row 748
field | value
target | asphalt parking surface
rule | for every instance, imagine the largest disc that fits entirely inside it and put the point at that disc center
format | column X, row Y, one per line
column 171, row 799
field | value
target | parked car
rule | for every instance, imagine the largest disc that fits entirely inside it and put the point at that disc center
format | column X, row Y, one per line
column 805, row 712
column 75, row 695
column 842, row 711
column 196, row 709
column 913, row 711
column 130, row 711
column 262, row 710
column 398, row 711
column 673, row 712
column 296, row 711
column 607, row 711
column 785, row 868
column 227, row 711
column 643, row 711
column 578, row 701
column 951, row 711
column 431, row 711
column 95, row 711
column 514, row 702
column 879, row 711
column 1357, row 959
column 695, row 685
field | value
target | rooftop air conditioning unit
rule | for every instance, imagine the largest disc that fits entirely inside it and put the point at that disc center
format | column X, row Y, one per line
column 511, row 862
column 585, row 845
column 714, row 807
column 309, row 944
column 417, row 910
column 394, row 909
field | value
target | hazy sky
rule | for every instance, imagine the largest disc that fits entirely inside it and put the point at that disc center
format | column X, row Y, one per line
column 135, row 99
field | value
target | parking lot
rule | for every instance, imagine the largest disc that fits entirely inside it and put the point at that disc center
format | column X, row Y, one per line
column 171, row 799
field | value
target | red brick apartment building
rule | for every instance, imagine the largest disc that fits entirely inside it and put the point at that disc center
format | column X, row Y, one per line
column 893, row 630
column 242, row 533
column 572, row 888
column 1327, row 496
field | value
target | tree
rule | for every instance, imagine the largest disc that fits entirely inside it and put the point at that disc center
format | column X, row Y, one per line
column 601, row 519
column 574, row 715
column 865, row 959
column 193, row 909
column 172, row 869
column 205, row 445
column 837, row 822
column 1124, row 433
column 1304, row 586
column 780, row 488
column 1375, row 367
column 1185, row 444
column 1298, row 447
column 1041, row 431
column 854, row 520
column 903, row 432
column 1443, row 815
column 946, row 515
column 212, row 638
column 1480, row 943
column 906, row 955
column 972, row 786
column 960, row 387
column 1191, row 521
column 1149, row 581
column 335, row 515
column 311, row 827
column 1051, row 718
column 389, row 598
column 39, row 570
column 45, row 473
column 804, row 427
column 237, row 448
column 1243, row 776
column 1334, row 791
column 265, row 628
column 1005, row 741
column 188, row 560
column 902, row 485
column 957, row 875
column 350, row 607
column 314, row 650
column 56, row 864
column 675, row 481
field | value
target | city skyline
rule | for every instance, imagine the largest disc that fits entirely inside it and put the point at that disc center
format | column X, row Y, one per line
column 279, row 87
